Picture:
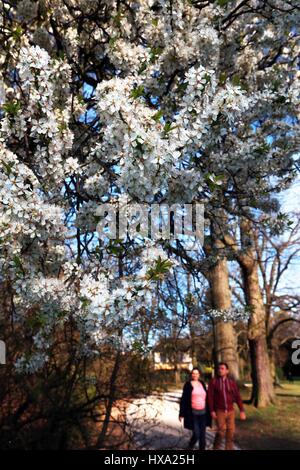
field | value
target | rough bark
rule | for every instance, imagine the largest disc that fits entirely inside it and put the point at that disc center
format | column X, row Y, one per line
column 226, row 342
column 225, row 348
column 263, row 390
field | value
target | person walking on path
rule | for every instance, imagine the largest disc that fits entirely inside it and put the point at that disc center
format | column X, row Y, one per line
column 194, row 410
column 222, row 393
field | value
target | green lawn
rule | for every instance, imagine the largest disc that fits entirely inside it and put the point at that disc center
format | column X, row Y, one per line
column 274, row 427
column 289, row 388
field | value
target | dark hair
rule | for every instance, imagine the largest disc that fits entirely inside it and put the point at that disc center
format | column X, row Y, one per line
column 196, row 368
column 223, row 364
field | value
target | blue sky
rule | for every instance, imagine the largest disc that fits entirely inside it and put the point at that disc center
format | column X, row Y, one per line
column 290, row 200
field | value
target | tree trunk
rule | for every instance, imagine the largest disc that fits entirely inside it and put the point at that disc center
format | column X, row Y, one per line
column 110, row 401
column 191, row 322
column 275, row 378
column 225, row 336
column 263, row 390
column 177, row 376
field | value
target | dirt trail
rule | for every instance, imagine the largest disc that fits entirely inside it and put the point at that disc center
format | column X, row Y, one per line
column 154, row 424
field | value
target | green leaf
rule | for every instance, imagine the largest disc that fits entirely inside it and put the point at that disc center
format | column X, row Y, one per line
column 213, row 181
column 61, row 55
column 182, row 86
column 281, row 99
column 222, row 78
column 142, row 67
column 37, row 321
column 158, row 272
column 222, row 3
column 80, row 99
column 112, row 41
column 8, row 167
column 276, row 84
column 17, row 32
column 18, row 265
column 158, row 116
column 263, row 149
column 236, row 81
column 85, row 301
column 137, row 92
column 12, row 107
column 62, row 126
column 154, row 53
column 117, row 19
column 168, row 127
column 115, row 247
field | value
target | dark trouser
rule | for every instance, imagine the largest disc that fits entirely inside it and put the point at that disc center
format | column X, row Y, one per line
column 199, row 423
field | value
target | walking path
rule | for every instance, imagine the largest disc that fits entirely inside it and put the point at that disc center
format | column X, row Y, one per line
column 153, row 423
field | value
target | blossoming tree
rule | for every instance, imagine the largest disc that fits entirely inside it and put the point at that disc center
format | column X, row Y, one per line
column 148, row 101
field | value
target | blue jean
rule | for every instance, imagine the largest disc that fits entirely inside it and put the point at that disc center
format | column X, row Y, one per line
column 199, row 425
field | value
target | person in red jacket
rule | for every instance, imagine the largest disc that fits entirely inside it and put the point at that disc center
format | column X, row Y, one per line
column 222, row 393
